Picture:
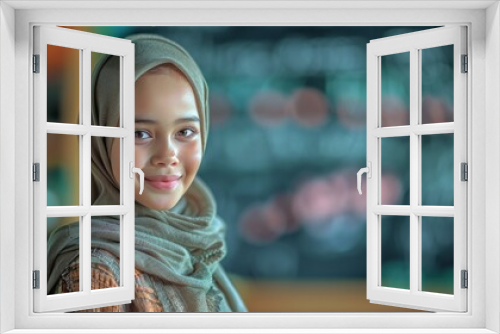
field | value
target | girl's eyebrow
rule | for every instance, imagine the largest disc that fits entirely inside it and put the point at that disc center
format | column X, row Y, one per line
column 187, row 119
column 180, row 120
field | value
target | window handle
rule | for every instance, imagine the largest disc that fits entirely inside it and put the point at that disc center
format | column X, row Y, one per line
column 368, row 171
column 138, row 171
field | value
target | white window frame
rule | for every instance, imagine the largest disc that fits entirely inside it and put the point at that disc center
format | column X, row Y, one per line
column 85, row 43
column 414, row 43
column 483, row 21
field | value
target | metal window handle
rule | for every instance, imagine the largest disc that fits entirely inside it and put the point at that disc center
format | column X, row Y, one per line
column 368, row 171
column 133, row 170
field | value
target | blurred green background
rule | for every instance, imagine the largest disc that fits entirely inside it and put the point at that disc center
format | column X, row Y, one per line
column 288, row 134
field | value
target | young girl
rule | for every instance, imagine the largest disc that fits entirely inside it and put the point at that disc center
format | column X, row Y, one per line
column 179, row 240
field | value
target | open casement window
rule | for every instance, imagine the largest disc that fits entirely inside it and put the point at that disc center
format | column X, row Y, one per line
column 73, row 137
column 401, row 137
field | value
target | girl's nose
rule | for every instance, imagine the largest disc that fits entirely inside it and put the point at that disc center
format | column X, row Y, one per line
column 166, row 154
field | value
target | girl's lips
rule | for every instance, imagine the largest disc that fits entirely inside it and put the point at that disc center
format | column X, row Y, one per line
column 163, row 182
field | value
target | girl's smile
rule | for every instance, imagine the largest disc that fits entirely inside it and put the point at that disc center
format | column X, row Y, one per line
column 163, row 182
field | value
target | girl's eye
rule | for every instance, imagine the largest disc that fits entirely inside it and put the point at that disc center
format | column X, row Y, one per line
column 142, row 135
column 187, row 133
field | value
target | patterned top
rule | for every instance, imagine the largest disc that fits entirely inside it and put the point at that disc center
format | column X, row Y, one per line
column 152, row 294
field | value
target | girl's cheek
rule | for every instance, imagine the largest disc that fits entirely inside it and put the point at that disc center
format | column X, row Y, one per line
column 140, row 156
column 193, row 155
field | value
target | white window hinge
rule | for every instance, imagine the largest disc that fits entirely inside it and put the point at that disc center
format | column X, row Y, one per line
column 36, row 279
column 465, row 279
column 36, row 172
column 36, row 63
column 464, row 171
column 465, row 64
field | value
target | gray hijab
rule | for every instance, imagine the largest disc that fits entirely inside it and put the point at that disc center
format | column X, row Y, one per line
column 150, row 51
column 182, row 246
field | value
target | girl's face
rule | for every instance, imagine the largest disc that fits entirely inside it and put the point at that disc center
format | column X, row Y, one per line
column 168, row 145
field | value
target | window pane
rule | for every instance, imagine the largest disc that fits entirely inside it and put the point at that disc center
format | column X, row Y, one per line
column 63, row 84
column 437, row 254
column 106, row 90
column 106, row 170
column 63, row 230
column 395, row 89
column 437, row 169
column 63, row 170
column 105, row 241
column 395, row 179
column 396, row 252
column 437, row 84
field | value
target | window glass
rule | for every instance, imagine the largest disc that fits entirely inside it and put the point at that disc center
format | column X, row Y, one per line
column 63, row 85
column 110, row 87
column 105, row 259
column 63, row 170
column 396, row 252
column 108, row 167
column 395, row 96
column 68, row 230
column 437, row 169
column 437, row 254
column 437, row 84
column 395, row 166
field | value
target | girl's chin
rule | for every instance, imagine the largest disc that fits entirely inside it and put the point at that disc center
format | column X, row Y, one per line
column 159, row 205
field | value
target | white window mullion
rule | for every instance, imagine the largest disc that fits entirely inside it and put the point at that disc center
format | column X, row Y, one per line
column 123, row 174
column 392, row 210
column 421, row 129
column 127, row 103
column 434, row 211
column 460, row 155
column 414, row 170
column 76, row 129
column 433, row 128
column 67, row 129
column 80, row 130
column 40, row 156
column 85, row 238
column 419, row 210
column 85, row 249
column 377, row 175
column 418, row 130
column 86, row 104
column 373, row 189
column 392, row 131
